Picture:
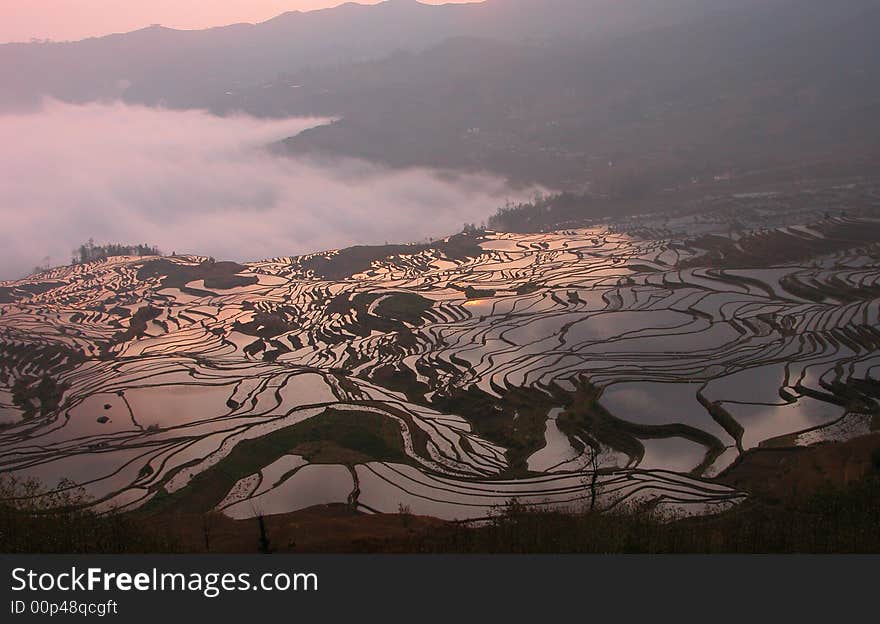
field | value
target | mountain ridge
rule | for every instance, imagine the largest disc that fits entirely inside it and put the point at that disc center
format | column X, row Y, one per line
column 158, row 61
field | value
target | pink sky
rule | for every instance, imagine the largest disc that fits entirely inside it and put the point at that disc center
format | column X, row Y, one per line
column 60, row 20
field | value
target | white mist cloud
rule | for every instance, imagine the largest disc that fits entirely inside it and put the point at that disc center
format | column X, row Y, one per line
column 189, row 181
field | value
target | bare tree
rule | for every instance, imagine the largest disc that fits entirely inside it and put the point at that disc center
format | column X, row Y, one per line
column 599, row 458
column 265, row 546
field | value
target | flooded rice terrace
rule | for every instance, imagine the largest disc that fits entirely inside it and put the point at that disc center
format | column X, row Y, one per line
column 446, row 379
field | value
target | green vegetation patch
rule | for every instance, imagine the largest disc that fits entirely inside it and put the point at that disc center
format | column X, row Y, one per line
column 333, row 437
column 359, row 259
column 349, row 437
column 37, row 396
column 517, row 421
column 403, row 306
column 138, row 324
column 267, row 324
column 476, row 293
column 217, row 275
column 11, row 294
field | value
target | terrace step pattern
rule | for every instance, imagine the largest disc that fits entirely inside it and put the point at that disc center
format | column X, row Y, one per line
column 131, row 383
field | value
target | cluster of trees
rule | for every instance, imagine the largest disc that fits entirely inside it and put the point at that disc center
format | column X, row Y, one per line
column 543, row 211
column 472, row 228
column 90, row 252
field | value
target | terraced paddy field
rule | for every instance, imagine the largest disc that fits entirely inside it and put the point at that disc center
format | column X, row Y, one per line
column 584, row 368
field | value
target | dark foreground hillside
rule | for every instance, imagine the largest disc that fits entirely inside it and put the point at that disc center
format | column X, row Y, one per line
column 817, row 500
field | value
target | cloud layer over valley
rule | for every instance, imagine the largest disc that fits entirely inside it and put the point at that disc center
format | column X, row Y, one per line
column 189, row 181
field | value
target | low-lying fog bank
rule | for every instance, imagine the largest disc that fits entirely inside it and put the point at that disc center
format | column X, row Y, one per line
column 189, row 181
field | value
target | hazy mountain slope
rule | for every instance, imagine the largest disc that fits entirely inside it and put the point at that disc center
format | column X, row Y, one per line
column 753, row 87
column 185, row 68
column 545, row 91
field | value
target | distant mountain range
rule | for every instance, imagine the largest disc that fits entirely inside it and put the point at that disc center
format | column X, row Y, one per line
column 623, row 97
column 186, row 68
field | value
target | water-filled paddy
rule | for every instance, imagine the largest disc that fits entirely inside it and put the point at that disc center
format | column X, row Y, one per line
column 487, row 373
